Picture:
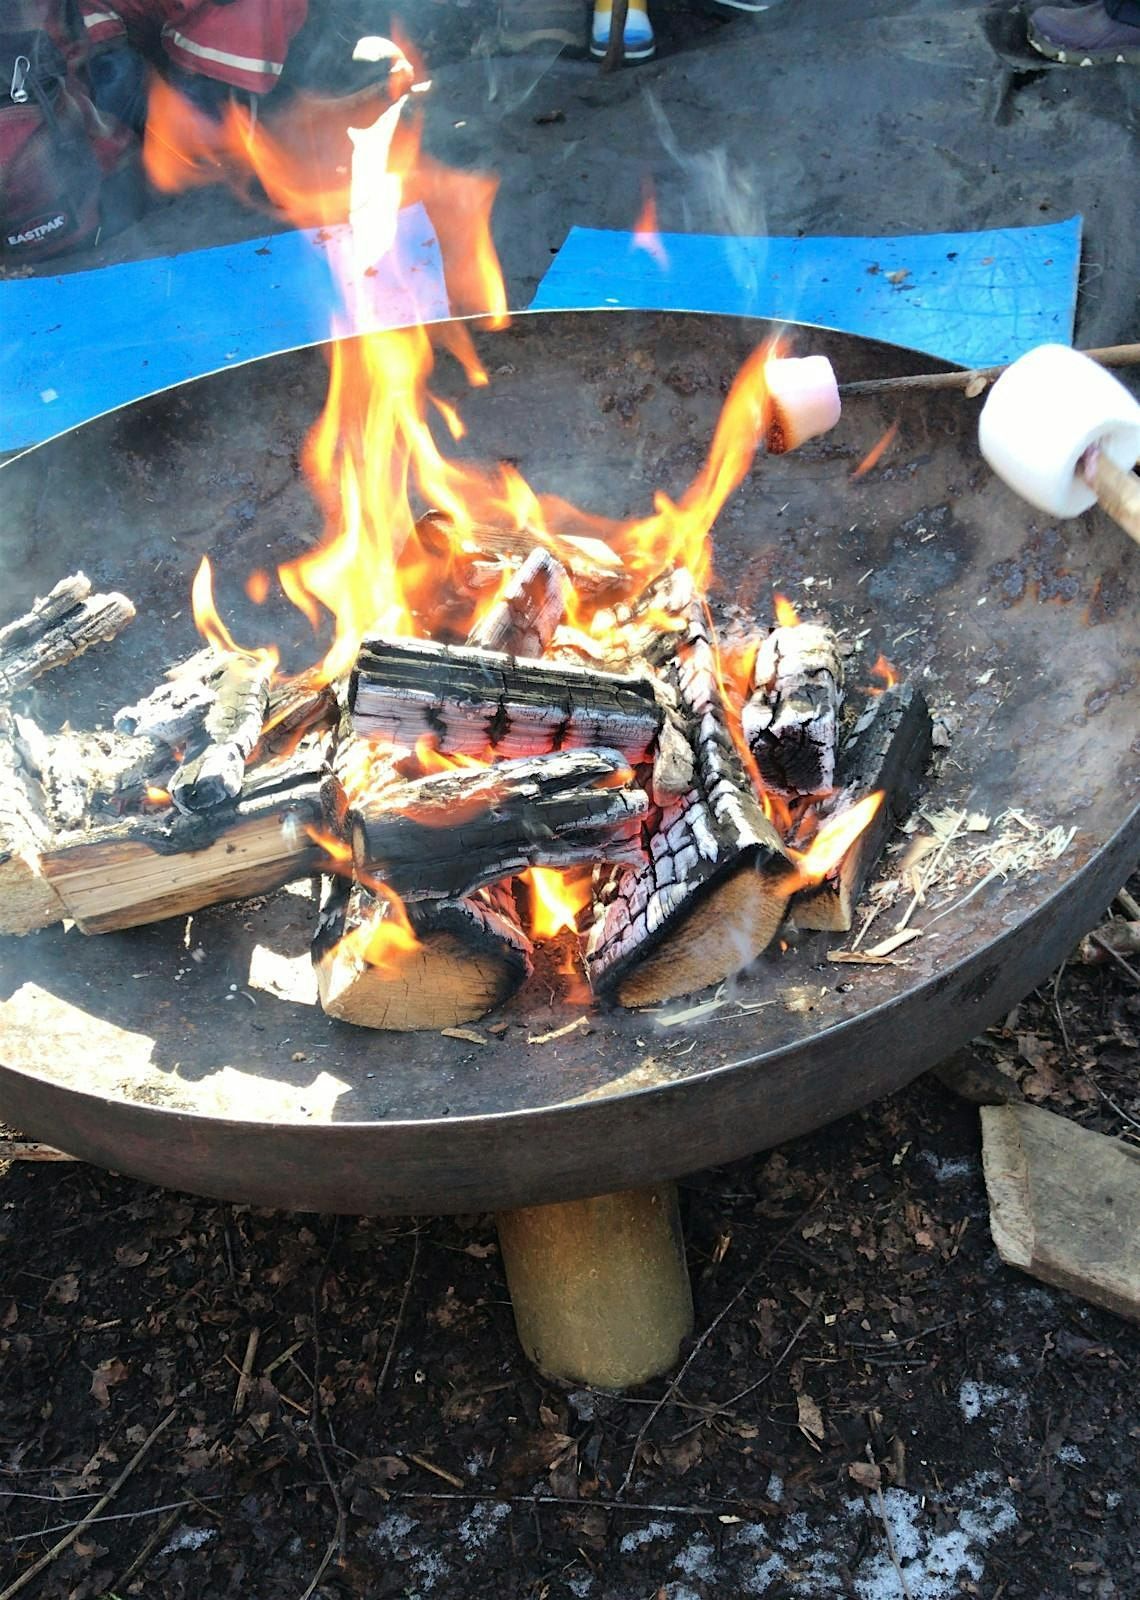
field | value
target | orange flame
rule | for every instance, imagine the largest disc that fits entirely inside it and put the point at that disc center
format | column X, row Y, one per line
column 338, row 851
column 209, row 623
column 387, row 938
column 786, row 614
column 557, row 899
column 645, row 231
column 876, row 453
column 432, row 759
column 886, row 672
column 832, row 842
column 156, row 796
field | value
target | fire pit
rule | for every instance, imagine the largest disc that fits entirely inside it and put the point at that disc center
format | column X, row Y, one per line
column 192, row 1053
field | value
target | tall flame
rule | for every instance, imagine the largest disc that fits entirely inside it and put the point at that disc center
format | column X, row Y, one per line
column 557, row 899
column 646, row 235
column 786, row 614
column 886, row 673
column 832, row 842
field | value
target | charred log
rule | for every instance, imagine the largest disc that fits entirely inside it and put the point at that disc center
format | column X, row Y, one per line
column 85, row 777
column 482, row 551
column 889, row 748
column 145, row 868
column 445, row 835
column 791, row 719
column 711, row 893
column 470, row 702
column 470, row 955
column 523, row 619
column 175, row 711
column 232, row 725
column 58, row 629
column 27, row 899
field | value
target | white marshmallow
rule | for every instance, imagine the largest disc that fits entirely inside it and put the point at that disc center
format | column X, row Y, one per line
column 1041, row 416
column 805, row 399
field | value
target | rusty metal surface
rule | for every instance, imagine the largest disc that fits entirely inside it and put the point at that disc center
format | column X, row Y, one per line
column 196, row 1056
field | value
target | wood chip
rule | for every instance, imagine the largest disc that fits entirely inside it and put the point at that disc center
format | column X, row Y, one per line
column 559, row 1033
column 469, row 1035
column 863, row 958
column 892, row 942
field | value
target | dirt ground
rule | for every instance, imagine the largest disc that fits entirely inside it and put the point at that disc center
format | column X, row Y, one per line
column 881, row 1410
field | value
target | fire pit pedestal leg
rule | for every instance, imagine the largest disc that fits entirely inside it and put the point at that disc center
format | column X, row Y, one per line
column 600, row 1288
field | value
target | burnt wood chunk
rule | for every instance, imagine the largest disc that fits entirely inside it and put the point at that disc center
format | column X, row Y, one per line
column 889, row 748
column 144, row 868
column 176, row 710
column 27, row 900
column 59, row 628
column 523, row 619
column 87, row 777
column 470, row 956
column 477, row 703
column 480, row 552
column 712, row 891
column 232, row 726
column 791, row 718
column 444, row 835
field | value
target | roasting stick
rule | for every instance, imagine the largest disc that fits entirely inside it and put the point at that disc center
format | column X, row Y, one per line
column 974, row 380
column 1064, row 434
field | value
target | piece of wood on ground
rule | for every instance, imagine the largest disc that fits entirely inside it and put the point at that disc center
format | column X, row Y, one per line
column 888, row 749
column 1064, row 1204
column 791, row 717
column 711, row 893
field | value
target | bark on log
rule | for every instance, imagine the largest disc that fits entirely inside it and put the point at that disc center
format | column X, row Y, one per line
column 889, row 748
column 471, row 955
column 470, row 702
column 27, row 900
column 58, row 629
column 523, row 619
column 791, row 719
column 445, row 835
column 146, row 868
column 232, row 726
column 709, row 896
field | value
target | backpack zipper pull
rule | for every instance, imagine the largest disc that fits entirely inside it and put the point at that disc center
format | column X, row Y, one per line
column 18, row 93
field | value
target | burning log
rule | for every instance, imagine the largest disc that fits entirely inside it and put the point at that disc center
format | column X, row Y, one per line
column 523, row 619
column 176, row 709
column 481, row 551
column 791, row 719
column 144, row 868
column 59, row 628
column 711, row 894
column 84, row 775
column 889, row 748
column 445, row 835
column 470, row 702
column 464, row 958
column 27, row 899
column 233, row 726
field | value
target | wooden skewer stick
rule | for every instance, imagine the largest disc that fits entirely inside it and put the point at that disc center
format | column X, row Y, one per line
column 1117, row 491
column 976, row 379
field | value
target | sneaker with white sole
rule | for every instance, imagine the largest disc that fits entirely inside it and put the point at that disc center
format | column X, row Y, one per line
column 1084, row 36
column 640, row 45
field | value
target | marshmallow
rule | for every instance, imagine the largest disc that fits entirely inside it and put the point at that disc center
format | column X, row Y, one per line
column 805, row 400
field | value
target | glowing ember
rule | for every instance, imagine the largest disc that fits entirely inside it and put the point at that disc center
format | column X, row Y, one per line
column 876, row 453
column 156, row 796
column 786, row 614
column 885, row 672
column 832, row 842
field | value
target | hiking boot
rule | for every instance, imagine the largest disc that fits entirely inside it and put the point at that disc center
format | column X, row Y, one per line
column 525, row 23
column 640, row 44
column 1085, row 36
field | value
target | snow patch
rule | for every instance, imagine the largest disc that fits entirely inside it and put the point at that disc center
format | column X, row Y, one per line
column 639, row 1536
column 479, row 1527
column 1071, row 1455
column 950, row 1170
column 188, row 1539
column 697, row 1560
column 975, row 1399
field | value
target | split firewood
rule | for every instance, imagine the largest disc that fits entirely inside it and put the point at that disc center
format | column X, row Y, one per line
column 144, row 868
column 472, row 702
column 523, row 619
column 791, row 718
column 889, row 748
column 468, row 956
column 711, row 893
column 445, row 835
column 1064, row 1204
column 481, row 552
column 233, row 727
column 58, row 629
column 27, row 900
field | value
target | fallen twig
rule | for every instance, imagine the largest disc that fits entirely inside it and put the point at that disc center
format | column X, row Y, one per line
column 245, row 1376
column 399, row 1315
column 73, row 1533
column 1116, row 956
column 439, row 1472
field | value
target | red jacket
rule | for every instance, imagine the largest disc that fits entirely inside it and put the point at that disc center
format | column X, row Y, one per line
column 243, row 43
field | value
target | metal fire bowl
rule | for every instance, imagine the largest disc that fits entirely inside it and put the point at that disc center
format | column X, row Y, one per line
column 195, row 1056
